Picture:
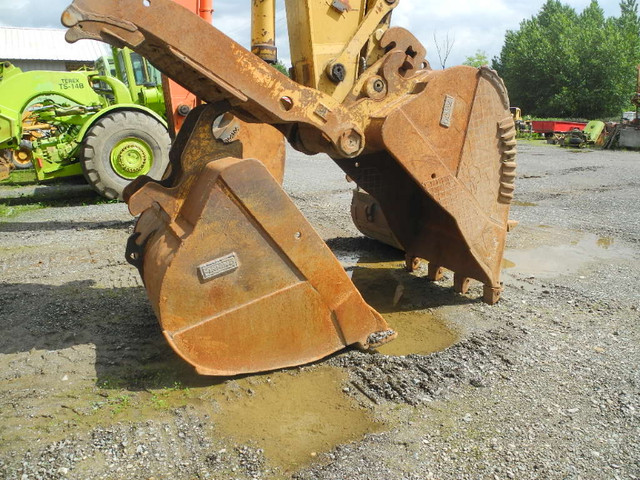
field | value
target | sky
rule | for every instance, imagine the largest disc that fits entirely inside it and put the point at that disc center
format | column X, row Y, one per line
column 471, row 25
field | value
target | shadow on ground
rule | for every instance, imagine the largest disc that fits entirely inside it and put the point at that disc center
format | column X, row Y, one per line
column 53, row 226
column 130, row 350
column 379, row 274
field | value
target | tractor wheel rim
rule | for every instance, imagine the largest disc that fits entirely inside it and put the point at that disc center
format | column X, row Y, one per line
column 131, row 157
column 22, row 157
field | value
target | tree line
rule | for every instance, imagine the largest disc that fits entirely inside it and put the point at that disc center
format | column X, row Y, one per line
column 561, row 63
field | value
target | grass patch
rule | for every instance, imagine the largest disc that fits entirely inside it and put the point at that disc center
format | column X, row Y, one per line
column 111, row 383
column 120, row 403
column 10, row 211
column 20, row 177
column 158, row 402
column 75, row 199
column 56, row 192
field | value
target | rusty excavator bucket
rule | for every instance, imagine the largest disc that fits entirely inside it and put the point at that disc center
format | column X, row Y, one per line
column 238, row 278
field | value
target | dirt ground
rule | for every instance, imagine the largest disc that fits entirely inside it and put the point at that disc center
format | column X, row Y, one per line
column 544, row 385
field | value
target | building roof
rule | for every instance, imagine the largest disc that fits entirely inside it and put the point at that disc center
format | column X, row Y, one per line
column 46, row 44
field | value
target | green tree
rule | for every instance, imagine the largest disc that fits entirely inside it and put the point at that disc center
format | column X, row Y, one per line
column 628, row 27
column 535, row 60
column 281, row 68
column 477, row 60
column 563, row 64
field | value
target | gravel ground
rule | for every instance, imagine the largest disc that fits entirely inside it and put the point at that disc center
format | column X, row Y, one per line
column 546, row 384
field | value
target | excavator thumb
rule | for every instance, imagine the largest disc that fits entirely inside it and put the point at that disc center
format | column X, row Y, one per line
column 238, row 278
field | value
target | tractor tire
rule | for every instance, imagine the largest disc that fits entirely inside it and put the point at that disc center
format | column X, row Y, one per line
column 22, row 159
column 120, row 147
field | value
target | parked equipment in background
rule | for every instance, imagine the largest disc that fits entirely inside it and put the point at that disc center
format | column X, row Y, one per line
column 554, row 130
column 626, row 134
column 238, row 278
column 108, row 125
column 592, row 134
column 523, row 124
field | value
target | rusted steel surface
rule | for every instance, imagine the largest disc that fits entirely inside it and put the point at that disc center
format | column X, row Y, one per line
column 209, row 134
column 446, row 182
column 238, row 278
column 368, row 217
column 178, row 100
column 226, row 72
column 445, row 164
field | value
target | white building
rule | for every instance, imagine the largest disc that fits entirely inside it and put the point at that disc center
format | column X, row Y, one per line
column 46, row 49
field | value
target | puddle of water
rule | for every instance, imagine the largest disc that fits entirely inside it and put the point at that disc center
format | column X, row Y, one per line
column 507, row 264
column 380, row 285
column 605, row 242
column 294, row 417
column 347, row 260
column 566, row 258
column 386, row 287
column 419, row 333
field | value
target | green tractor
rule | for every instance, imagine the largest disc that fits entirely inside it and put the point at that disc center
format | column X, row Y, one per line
column 107, row 124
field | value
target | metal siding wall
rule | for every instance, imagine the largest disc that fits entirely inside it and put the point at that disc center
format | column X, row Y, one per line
column 29, row 65
column 46, row 43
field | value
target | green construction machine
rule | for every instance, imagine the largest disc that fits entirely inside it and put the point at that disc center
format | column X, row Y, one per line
column 108, row 124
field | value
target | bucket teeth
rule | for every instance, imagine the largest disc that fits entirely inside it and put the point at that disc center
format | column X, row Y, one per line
column 445, row 196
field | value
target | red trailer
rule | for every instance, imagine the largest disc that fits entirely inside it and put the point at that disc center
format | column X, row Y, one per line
column 556, row 126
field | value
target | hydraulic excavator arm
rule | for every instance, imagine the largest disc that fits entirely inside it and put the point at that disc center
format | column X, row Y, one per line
column 239, row 280
column 178, row 100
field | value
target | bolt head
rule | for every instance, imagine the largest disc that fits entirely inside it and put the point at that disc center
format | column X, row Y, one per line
column 184, row 110
column 375, row 88
column 338, row 73
column 351, row 143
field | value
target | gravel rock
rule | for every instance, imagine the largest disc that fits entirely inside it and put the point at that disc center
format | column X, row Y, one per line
column 544, row 384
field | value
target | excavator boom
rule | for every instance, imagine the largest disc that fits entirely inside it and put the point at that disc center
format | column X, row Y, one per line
column 238, row 278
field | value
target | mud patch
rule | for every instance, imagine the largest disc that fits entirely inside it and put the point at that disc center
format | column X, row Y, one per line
column 387, row 288
column 418, row 333
column 506, row 264
column 605, row 242
column 418, row 379
column 293, row 418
